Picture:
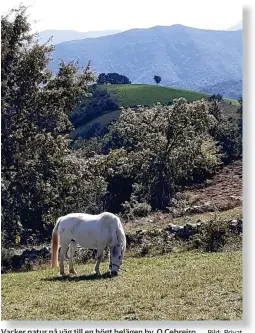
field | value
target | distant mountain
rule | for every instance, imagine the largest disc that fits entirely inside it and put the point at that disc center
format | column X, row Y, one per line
column 237, row 26
column 60, row 36
column 229, row 89
column 184, row 57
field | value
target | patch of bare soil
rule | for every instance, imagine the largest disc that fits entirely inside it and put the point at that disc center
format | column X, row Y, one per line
column 224, row 190
column 221, row 193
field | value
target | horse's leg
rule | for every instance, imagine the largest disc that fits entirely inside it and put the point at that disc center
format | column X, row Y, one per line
column 99, row 258
column 72, row 249
column 64, row 246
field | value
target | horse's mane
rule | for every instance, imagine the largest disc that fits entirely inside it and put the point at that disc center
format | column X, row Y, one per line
column 118, row 231
column 121, row 235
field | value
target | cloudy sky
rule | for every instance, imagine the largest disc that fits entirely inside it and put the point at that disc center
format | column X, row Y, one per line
column 97, row 15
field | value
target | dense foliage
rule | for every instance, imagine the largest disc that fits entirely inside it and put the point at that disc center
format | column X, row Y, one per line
column 150, row 152
column 40, row 177
column 112, row 78
column 99, row 103
column 228, row 132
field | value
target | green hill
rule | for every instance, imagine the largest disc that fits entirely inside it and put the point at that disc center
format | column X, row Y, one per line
column 128, row 95
column 142, row 94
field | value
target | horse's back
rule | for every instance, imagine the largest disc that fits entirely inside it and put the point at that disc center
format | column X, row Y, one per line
column 86, row 228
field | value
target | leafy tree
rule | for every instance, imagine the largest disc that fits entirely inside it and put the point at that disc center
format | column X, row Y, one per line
column 112, row 78
column 40, row 177
column 157, row 79
column 102, row 79
column 227, row 131
column 163, row 148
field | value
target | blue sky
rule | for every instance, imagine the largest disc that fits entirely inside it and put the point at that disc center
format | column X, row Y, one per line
column 97, row 15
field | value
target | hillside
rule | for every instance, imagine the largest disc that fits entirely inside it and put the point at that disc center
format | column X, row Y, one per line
column 228, row 89
column 129, row 95
column 60, row 36
column 184, row 57
column 140, row 94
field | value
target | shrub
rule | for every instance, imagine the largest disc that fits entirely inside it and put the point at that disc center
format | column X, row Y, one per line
column 141, row 209
column 211, row 237
column 6, row 259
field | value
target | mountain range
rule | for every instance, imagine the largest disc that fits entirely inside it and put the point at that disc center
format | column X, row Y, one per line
column 184, row 57
column 230, row 89
column 60, row 36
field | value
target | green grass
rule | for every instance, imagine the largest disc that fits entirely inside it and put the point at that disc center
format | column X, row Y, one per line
column 126, row 95
column 181, row 286
column 142, row 94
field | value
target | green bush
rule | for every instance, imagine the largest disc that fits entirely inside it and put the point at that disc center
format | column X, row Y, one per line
column 211, row 237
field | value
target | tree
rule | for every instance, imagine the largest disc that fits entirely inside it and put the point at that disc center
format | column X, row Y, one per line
column 227, row 131
column 102, row 79
column 112, row 78
column 40, row 177
column 159, row 150
column 157, row 79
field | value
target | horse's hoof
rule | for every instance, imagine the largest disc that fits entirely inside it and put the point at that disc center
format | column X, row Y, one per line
column 73, row 272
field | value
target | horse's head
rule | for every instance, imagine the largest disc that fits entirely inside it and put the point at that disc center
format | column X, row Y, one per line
column 116, row 257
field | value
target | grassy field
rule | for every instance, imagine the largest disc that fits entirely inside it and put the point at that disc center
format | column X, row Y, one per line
column 141, row 94
column 144, row 94
column 180, row 286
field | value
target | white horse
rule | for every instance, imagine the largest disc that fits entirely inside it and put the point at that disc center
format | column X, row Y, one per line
column 91, row 232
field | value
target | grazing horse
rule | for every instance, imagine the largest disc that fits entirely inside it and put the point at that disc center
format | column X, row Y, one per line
column 91, row 232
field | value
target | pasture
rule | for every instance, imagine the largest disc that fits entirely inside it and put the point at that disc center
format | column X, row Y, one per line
column 144, row 94
column 179, row 286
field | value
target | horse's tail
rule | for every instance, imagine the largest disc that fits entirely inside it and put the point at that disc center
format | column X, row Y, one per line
column 55, row 245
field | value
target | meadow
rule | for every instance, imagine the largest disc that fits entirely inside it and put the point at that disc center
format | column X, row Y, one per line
column 179, row 286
